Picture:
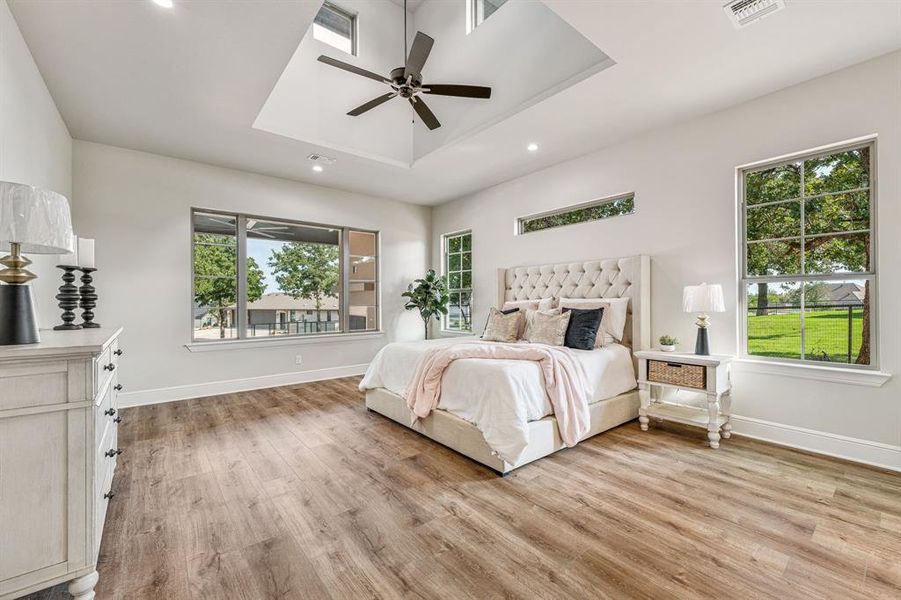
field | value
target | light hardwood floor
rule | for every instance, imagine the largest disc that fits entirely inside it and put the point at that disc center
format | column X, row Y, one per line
column 299, row 492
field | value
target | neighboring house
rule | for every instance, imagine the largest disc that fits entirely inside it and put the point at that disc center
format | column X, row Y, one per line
column 279, row 313
column 845, row 293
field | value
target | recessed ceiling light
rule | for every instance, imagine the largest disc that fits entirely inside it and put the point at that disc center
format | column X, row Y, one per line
column 533, row 147
column 163, row 3
column 317, row 168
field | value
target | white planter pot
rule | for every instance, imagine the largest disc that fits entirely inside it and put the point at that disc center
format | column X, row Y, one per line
column 667, row 348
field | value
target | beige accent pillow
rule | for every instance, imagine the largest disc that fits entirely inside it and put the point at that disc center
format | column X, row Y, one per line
column 501, row 327
column 524, row 307
column 547, row 327
column 613, row 323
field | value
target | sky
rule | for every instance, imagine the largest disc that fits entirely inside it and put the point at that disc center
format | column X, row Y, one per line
column 260, row 251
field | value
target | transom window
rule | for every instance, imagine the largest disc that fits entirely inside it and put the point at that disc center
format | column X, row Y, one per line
column 256, row 277
column 336, row 27
column 604, row 208
column 808, row 271
column 479, row 10
column 458, row 270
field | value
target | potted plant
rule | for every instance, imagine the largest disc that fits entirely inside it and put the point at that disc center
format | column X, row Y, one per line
column 429, row 296
column 668, row 343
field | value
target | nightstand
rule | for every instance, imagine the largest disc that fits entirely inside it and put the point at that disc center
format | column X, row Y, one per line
column 703, row 374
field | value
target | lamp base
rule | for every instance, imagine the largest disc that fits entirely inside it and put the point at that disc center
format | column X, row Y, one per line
column 18, row 324
column 702, row 344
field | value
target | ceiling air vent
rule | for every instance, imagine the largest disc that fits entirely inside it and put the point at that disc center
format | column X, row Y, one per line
column 745, row 12
column 321, row 159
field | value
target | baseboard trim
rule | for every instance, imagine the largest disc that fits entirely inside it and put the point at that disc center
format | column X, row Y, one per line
column 230, row 386
column 884, row 456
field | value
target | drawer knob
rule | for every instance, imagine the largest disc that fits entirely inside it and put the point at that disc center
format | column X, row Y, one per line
column 109, row 412
column 117, row 420
column 118, row 387
column 113, row 452
column 109, row 367
column 109, row 495
column 118, row 352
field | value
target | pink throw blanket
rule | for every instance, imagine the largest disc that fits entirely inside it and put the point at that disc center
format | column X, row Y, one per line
column 564, row 380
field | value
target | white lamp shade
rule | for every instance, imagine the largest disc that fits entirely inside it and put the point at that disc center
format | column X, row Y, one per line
column 36, row 218
column 703, row 298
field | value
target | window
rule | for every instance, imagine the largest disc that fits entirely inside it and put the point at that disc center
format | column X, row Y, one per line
column 336, row 27
column 479, row 10
column 258, row 277
column 808, row 246
column 458, row 270
column 595, row 210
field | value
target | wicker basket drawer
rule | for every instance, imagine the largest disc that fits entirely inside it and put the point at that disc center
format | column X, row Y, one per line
column 693, row 376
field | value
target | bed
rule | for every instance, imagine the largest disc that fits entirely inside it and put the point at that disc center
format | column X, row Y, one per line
column 524, row 429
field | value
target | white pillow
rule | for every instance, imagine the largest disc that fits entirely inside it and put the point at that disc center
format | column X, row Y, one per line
column 543, row 304
column 613, row 323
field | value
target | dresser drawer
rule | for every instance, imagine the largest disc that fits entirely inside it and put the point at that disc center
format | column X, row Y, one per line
column 107, row 454
column 104, row 366
column 105, row 413
column 104, row 496
column 674, row 373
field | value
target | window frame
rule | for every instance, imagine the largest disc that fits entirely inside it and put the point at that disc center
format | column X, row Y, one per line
column 519, row 225
column 354, row 25
column 445, row 240
column 241, row 336
column 871, row 275
column 473, row 8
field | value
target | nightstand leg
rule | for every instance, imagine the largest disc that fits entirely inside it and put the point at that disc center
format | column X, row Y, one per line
column 713, row 429
column 644, row 394
column 726, row 402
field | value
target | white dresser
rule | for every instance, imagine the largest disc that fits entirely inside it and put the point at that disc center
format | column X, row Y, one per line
column 58, row 425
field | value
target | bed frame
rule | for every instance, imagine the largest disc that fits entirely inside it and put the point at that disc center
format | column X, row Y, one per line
column 605, row 278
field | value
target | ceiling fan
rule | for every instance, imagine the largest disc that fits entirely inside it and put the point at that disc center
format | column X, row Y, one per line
column 251, row 226
column 406, row 81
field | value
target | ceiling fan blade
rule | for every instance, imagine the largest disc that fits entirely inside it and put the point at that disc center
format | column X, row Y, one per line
column 427, row 116
column 463, row 91
column 419, row 53
column 351, row 68
column 371, row 104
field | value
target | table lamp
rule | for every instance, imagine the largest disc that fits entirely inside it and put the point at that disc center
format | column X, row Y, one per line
column 35, row 221
column 703, row 299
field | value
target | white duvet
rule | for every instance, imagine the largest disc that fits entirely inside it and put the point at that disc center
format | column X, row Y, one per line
column 499, row 397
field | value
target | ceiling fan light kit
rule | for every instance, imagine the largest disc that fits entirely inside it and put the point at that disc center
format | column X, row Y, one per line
column 406, row 81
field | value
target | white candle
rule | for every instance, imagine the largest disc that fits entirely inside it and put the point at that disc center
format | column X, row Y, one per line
column 70, row 259
column 86, row 253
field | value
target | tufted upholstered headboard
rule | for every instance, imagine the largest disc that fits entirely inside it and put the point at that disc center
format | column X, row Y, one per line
column 603, row 278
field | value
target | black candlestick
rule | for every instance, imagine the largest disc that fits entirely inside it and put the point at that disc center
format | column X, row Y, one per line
column 68, row 298
column 88, row 298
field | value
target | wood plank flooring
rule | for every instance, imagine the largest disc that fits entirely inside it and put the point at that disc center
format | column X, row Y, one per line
column 299, row 492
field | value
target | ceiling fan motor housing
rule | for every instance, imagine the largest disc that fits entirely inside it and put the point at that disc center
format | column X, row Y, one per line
column 406, row 90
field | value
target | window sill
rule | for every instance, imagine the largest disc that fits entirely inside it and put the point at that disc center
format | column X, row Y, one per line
column 280, row 342
column 454, row 333
column 804, row 371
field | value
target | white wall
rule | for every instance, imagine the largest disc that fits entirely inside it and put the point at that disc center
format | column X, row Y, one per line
column 35, row 146
column 684, row 182
column 137, row 206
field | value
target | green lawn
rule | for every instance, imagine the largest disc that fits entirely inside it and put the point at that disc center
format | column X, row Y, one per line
column 826, row 336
